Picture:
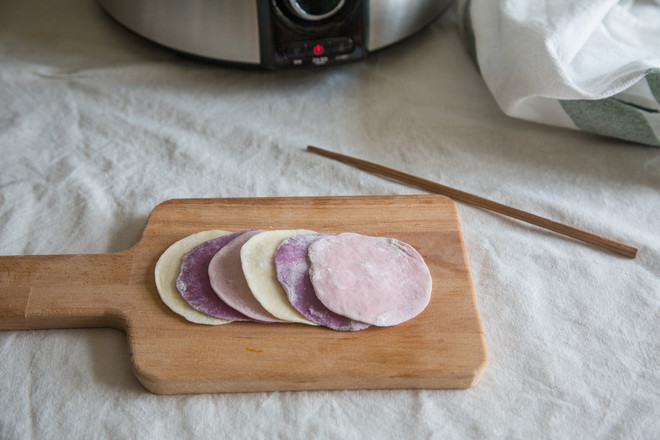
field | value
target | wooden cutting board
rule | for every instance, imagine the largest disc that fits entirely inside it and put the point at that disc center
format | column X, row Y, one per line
column 443, row 347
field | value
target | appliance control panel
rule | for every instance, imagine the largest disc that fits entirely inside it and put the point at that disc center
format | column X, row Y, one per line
column 314, row 32
column 339, row 47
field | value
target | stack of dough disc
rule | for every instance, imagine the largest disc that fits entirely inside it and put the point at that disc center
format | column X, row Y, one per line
column 344, row 282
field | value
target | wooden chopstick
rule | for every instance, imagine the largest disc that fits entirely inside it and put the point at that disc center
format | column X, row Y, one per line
column 462, row 196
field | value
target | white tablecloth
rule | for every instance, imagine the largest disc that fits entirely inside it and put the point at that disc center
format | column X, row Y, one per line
column 98, row 126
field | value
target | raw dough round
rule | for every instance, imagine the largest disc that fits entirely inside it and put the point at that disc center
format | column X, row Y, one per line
column 194, row 284
column 292, row 268
column 228, row 281
column 258, row 261
column 376, row 280
column 167, row 270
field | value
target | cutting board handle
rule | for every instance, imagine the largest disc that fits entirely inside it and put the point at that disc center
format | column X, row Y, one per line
column 64, row 291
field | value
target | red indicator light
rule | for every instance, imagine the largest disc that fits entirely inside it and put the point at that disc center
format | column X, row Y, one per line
column 318, row 50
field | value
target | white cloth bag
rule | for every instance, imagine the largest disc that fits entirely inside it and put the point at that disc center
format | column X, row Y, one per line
column 593, row 65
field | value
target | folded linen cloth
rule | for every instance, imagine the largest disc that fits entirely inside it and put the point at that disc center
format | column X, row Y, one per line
column 593, row 65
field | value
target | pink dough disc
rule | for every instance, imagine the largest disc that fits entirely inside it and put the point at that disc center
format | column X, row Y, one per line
column 292, row 269
column 375, row 280
column 194, row 285
column 228, row 282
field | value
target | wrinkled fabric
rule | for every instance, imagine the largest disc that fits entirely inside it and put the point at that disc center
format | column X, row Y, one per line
column 98, row 126
column 588, row 65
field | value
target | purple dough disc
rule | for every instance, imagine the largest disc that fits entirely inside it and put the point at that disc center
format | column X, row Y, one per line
column 194, row 285
column 380, row 281
column 228, row 282
column 292, row 269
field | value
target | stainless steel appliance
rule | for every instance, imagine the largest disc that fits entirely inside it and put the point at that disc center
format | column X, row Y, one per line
column 276, row 33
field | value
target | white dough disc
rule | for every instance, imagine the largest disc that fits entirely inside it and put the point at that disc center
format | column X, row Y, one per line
column 167, row 271
column 258, row 262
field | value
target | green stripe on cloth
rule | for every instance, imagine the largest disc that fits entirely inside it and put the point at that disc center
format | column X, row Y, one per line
column 611, row 117
column 653, row 79
column 468, row 31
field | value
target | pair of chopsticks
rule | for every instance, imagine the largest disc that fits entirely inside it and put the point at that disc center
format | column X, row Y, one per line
column 462, row 196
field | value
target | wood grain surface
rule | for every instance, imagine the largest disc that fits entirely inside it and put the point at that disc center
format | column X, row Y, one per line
column 444, row 347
